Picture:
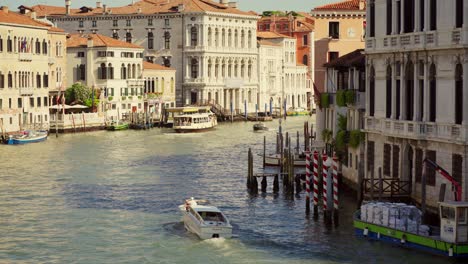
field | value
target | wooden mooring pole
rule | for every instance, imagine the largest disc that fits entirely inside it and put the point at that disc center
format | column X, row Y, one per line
column 264, row 151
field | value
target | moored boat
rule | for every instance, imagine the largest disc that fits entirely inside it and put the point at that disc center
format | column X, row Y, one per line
column 299, row 111
column 114, row 126
column 389, row 223
column 26, row 137
column 204, row 220
column 260, row 127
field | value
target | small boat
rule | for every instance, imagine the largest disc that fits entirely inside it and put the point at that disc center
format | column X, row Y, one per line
column 194, row 119
column 260, row 127
column 298, row 111
column 114, row 126
column 204, row 220
column 26, row 137
column 401, row 224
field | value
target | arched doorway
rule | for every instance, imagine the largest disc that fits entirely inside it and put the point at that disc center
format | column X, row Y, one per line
column 408, row 164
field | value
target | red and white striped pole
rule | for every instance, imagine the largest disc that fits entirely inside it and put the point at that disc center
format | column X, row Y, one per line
column 335, row 189
column 324, row 175
column 307, row 182
column 316, row 182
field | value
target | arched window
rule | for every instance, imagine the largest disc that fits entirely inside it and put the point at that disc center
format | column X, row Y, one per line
column 223, row 37
column 162, row 85
column 38, row 46
column 409, row 78
column 458, row 94
column 110, row 72
column 230, row 68
column 45, row 80
column 243, row 69
column 167, row 40
column 217, row 68
column 388, row 105
column 236, row 38
column 193, row 36
column 216, row 41
column 9, row 45
column 242, row 39
column 134, row 71
column 115, row 35
column 10, row 80
column 123, row 72
column 194, row 68
column 372, row 91
column 305, row 60
column 38, row 80
column 128, row 37
column 150, row 40
column 210, row 67
column 102, row 72
column 432, row 92
column 249, row 70
column 250, row 39
column 172, row 85
column 236, row 69
column 1, row 44
column 44, row 47
column 229, row 38
column 210, row 37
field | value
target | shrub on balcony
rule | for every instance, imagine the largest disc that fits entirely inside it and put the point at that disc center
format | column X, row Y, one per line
column 355, row 138
column 340, row 98
column 350, row 97
column 139, row 97
column 124, row 98
column 327, row 135
column 325, row 100
column 110, row 98
column 342, row 122
column 341, row 140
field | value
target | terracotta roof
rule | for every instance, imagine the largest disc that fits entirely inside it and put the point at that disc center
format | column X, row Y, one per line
column 81, row 40
column 344, row 5
column 352, row 59
column 10, row 17
column 270, row 35
column 153, row 66
column 268, row 43
column 143, row 7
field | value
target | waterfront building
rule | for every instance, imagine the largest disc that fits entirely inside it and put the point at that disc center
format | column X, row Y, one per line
column 159, row 87
column 282, row 78
column 343, row 108
column 417, row 72
column 300, row 26
column 212, row 43
column 32, row 68
column 110, row 66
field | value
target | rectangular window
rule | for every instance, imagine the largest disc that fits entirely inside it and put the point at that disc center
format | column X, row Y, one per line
column 433, row 16
column 2, row 80
column 46, row 101
column 389, row 17
column 31, row 102
column 9, row 103
column 115, row 23
column 370, row 155
column 166, row 22
column 150, row 21
column 409, row 16
column 430, row 172
column 419, row 165
column 129, row 23
column 457, row 169
column 387, row 156
column 422, row 16
column 459, row 13
column 396, row 162
column 305, row 40
column 80, row 54
column 39, row 102
column 1, row 103
column 80, row 23
column 20, row 103
column 332, row 55
column 101, row 54
column 94, row 23
column 372, row 19
column 398, row 17
column 334, row 30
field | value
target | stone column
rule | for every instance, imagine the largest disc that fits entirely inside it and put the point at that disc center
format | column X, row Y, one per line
column 403, row 90
column 394, row 17
column 465, row 23
column 402, row 17
column 426, row 15
column 394, row 99
column 426, row 92
column 417, row 16
column 416, row 92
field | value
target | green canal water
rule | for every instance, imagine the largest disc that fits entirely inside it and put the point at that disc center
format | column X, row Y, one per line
column 112, row 197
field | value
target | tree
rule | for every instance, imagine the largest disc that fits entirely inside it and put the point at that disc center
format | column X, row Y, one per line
column 77, row 93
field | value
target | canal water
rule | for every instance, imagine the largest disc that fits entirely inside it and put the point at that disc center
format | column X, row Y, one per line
column 112, row 197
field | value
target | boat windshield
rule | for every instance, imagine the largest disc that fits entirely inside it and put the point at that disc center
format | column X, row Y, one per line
column 212, row 216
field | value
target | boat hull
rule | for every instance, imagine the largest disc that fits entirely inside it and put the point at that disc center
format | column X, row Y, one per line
column 193, row 130
column 118, row 127
column 13, row 141
column 409, row 240
column 204, row 231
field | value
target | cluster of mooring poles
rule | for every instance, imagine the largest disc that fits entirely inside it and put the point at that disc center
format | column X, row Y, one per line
column 321, row 173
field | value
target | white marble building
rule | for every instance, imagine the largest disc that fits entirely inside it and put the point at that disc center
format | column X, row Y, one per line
column 417, row 89
column 211, row 44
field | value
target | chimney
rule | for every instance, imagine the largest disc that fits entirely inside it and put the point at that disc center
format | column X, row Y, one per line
column 105, row 8
column 5, row 9
column 362, row 4
column 67, row 7
column 180, row 7
column 224, row 2
column 98, row 4
column 139, row 10
column 232, row 4
column 90, row 42
column 34, row 15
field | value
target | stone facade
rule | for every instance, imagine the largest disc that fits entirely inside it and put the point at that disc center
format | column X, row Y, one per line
column 417, row 67
column 159, row 87
column 33, row 67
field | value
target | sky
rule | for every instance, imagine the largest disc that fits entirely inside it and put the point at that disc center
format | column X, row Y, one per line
column 246, row 5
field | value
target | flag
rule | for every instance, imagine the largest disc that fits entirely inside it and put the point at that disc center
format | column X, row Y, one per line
column 317, row 96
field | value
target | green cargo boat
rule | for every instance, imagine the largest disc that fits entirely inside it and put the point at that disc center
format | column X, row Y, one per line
column 114, row 126
column 450, row 239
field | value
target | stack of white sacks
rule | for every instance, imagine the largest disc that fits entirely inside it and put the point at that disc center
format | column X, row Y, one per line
column 394, row 215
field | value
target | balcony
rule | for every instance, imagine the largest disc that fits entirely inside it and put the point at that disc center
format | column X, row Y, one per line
column 25, row 56
column 26, row 91
column 417, row 130
column 135, row 83
column 52, row 60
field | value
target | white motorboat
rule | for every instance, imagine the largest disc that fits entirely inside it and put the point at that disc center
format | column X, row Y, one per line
column 194, row 119
column 204, row 220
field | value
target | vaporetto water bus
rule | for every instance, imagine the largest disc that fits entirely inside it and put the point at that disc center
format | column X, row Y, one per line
column 401, row 224
column 194, row 119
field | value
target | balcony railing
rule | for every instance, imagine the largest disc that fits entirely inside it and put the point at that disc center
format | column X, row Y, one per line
column 417, row 129
column 25, row 56
column 135, row 82
column 26, row 91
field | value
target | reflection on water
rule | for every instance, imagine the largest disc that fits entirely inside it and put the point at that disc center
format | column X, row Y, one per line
column 112, row 196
